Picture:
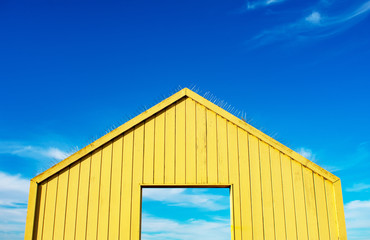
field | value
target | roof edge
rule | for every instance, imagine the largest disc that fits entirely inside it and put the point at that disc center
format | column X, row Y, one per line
column 162, row 105
column 109, row 136
column 262, row 136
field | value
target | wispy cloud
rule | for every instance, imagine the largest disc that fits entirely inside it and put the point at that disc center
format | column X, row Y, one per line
column 186, row 198
column 312, row 26
column 154, row 228
column 358, row 187
column 307, row 153
column 34, row 152
column 13, row 205
column 261, row 3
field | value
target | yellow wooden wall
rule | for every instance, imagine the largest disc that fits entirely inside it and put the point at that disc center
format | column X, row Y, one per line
column 99, row 196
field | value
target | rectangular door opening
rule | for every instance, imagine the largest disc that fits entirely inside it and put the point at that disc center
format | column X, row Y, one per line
column 185, row 213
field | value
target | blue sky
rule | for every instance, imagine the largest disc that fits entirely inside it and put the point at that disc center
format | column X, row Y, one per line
column 72, row 70
column 185, row 213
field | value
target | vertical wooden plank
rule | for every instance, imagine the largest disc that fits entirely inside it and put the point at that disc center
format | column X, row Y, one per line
column 299, row 200
column 322, row 216
column 149, row 151
column 159, row 148
column 94, row 190
column 137, row 171
column 277, row 192
column 115, row 193
column 169, row 165
column 340, row 210
column 83, row 198
column 201, row 126
column 125, row 222
column 180, row 142
column 191, row 156
column 223, row 169
column 212, row 147
column 257, row 214
column 41, row 210
column 72, row 201
column 267, row 201
column 234, row 178
column 290, row 220
column 309, row 190
column 60, row 209
column 106, row 168
column 245, row 191
column 31, row 211
column 332, row 215
column 51, row 195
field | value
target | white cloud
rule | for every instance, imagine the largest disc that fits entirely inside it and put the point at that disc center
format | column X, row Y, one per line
column 313, row 26
column 154, row 228
column 358, row 187
column 307, row 153
column 34, row 152
column 261, row 3
column 13, row 205
column 357, row 214
column 185, row 198
column 314, row 18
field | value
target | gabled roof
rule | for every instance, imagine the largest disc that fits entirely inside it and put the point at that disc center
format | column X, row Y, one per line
column 162, row 105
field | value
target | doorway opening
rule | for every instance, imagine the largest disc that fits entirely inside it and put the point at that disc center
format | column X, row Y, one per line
column 184, row 213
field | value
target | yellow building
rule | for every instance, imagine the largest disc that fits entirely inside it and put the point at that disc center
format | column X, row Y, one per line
column 185, row 141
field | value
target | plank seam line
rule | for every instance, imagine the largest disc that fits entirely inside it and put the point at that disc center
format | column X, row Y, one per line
column 110, row 184
column 272, row 190
column 88, row 197
column 260, row 174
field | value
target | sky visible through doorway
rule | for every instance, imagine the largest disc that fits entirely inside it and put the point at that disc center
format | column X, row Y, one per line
column 185, row 213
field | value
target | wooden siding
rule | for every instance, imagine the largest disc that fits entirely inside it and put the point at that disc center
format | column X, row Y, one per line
column 187, row 144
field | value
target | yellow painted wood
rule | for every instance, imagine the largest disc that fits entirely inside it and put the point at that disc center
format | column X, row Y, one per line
column 277, row 192
column 149, row 144
column 159, row 148
column 31, row 211
column 191, row 141
column 290, row 217
column 340, row 210
column 170, row 138
column 180, row 142
column 253, row 131
column 322, row 216
column 115, row 192
column 137, row 170
column 254, row 161
column 111, row 135
column 267, row 201
column 299, row 200
column 125, row 219
column 60, row 209
column 223, row 165
column 186, row 141
column 162, row 105
column 245, row 191
column 51, row 195
column 234, row 178
column 105, row 175
column 330, row 204
column 201, row 126
column 72, row 201
column 94, row 190
column 83, row 198
column 311, row 211
column 41, row 210
column 212, row 147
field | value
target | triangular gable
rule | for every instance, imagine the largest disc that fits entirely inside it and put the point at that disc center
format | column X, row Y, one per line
column 162, row 105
